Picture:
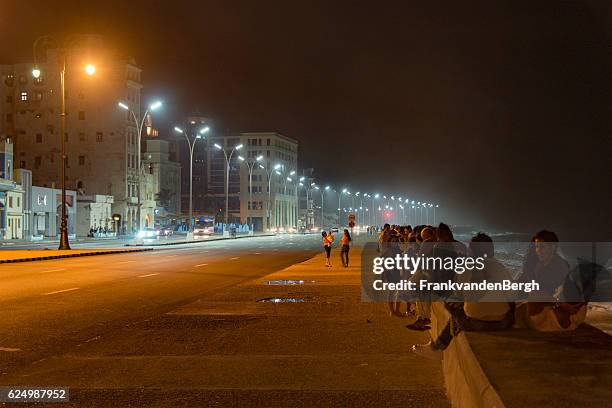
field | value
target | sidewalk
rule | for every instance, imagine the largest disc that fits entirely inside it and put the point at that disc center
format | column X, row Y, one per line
column 28, row 255
column 250, row 345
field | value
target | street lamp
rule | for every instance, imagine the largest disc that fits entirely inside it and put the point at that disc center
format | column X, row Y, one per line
column 191, row 141
column 36, row 72
column 227, row 161
column 139, row 123
column 250, row 164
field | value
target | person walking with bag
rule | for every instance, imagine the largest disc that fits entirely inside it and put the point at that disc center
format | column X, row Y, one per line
column 328, row 240
column 345, row 242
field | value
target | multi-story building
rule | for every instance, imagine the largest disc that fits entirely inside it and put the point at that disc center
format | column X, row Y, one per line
column 12, row 223
column 160, row 163
column 100, row 139
column 274, row 187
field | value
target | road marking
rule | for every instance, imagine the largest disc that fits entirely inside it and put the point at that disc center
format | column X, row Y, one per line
column 60, row 291
column 9, row 349
column 147, row 275
column 234, row 258
column 257, row 253
column 124, row 262
column 200, row 265
column 170, row 256
column 53, row 270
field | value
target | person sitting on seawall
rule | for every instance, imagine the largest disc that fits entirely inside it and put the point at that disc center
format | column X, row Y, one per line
column 474, row 315
column 546, row 311
column 345, row 243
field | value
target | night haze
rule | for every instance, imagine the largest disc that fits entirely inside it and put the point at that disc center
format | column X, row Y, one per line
column 499, row 111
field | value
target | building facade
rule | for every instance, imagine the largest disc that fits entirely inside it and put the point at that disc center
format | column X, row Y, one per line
column 165, row 172
column 100, row 139
column 272, row 203
column 12, row 196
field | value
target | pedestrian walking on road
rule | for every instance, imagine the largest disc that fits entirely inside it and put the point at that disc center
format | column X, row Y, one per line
column 328, row 240
column 346, row 246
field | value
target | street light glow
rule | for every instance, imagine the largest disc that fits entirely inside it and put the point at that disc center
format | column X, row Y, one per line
column 240, row 158
column 123, row 106
column 155, row 105
column 327, row 187
column 259, row 158
column 90, row 69
column 178, row 129
column 217, row 146
column 292, row 172
column 278, row 166
column 302, row 178
column 204, row 130
column 36, row 73
column 238, row 147
column 278, row 172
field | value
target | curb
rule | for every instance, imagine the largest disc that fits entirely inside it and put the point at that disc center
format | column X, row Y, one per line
column 199, row 242
column 50, row 257
column 467, row 385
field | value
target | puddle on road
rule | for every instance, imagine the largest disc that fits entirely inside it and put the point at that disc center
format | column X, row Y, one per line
column 282, row 300
column 287, row 282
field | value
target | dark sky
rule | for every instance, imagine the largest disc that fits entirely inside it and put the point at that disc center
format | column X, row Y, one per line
column 498, row 110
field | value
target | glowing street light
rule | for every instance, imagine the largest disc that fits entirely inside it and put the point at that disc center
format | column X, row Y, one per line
column 227, row 161
column 191, row 141
column 139, row 123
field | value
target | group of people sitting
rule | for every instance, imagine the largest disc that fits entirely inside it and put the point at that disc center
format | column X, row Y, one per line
column 475, row 312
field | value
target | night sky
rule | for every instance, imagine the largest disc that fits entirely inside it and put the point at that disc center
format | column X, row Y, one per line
column 498, row 111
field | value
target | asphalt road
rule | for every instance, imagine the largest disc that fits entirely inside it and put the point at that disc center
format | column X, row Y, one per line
column 50, row 307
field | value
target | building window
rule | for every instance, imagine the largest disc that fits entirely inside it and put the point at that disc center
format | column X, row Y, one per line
column 9, row 80
column 81, row 137
column 10, row 202
column 22, row 164
column 23, row 79
column 18, row 203
column 38, row 96
column 39, row 80
column 24, row 96
column 37, row 162
column 66, row 137
column 9, row 98
column 81, row 160
column 9, row 117
column 99, row 137
column 81, row 115
column 39, row 138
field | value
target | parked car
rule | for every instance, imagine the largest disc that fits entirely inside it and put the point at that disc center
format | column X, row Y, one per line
column 165, row 231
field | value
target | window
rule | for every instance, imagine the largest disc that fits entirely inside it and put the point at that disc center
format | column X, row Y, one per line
column 9, row 98
column 9, row 117
column 66, row 137
column 37, row 162
column 18, row 201
column 81, row 115
column 9, row 80
column 81, row 137
column 24, row 96
column 22, row 164
column 9, row 171
column 99, row 137
column 81, row 160
column 268, row 142
column 10, row 202
column 39, row 138
column 23, row 79
column 39, row 80
column 38, row 96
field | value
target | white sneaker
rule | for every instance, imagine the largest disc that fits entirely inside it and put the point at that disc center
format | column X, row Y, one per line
column 428, row 351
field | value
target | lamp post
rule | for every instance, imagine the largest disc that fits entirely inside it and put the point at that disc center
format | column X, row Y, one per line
column 250, row 165
column 139, row 123
column 227, row 161
column 344, row 191
column 36, row 72
column 268, row 171
column 322, row 190
column 191, row 141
